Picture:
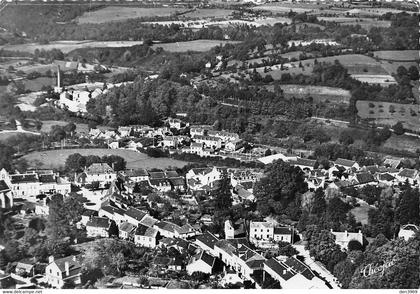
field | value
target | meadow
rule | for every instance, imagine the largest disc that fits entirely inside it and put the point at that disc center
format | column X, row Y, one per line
column 388, row 113
column 67, row 46
column 318, row 93
column 120, row 13
column 364, row 22
column 196, row 45
column 57, row 158
column 400, row 55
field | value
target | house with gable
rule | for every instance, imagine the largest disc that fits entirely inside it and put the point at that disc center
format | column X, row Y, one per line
column 201, row 262
column 146, row 236
column 63, row 270
column 134, row 216
column 343, row 238
column 293, row 274
column 206, row 242
column 126, row 230
column 98, row 227
column 347, row 164
column 410, row 175
column 97, row 172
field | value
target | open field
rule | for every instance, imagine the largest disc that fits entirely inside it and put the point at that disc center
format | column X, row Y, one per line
column 38, row 83
column 364, row 22
column 318, row 93
column 383, row 80
column 390, row 113
column 197, row 45
column 57, row 158
column 392, row 66
column 67, row 46
column 208, row 13
column 285, row 8
column 120, row 13
column 361, row 213
column 403, row 142
column 402, row 55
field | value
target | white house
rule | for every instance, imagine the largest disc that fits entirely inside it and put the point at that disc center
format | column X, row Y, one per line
column 408, row 231
column 206, row 242
column 97, row 172
column 60, row 271
column 202, row 177
column 293, row 274
column 261, row 231
column 145, row 236
column 126, row 230
column 134, row 216
column 347, row 164
column 201, row 262
column 98, row 227
column 208, row 141
column 6, row 197
column 410, row 175
column 343, row 238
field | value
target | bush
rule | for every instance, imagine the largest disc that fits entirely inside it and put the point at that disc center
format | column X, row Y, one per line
column 354, row 245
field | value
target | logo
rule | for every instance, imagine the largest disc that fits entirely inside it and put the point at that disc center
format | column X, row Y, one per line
column 372, row 269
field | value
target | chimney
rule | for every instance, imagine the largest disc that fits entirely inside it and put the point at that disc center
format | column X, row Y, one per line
column 51, row 259
column 67, row 268
column 58, row 76
column 284, row 272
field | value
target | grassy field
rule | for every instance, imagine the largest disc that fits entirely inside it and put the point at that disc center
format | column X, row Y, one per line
column 197, row 45
column 382, row 113
column 361, row 213
column 403, row 142
column 208, row 13
column 364, row 22
column 402, row 55
column 318, row 93
column 57, row 158
column 37, row 84
column 383, row 80
column 120, row 13
column 392, row 66
column 67, row 46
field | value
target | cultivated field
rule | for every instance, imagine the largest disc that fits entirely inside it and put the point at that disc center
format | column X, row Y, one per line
column 120, row 13
column 57, row 158
column 318, row 93
column 390, row 113
column 67, row 46
column 196, row 45
column 284, row 8
column 37, row 84
column 403, row 142
column 208, row 13
column 402, row 55
column 364, row 22
column 383, row 80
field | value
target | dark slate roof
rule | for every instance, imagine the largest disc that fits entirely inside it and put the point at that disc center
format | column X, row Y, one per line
column 205, row 257
column 171, row 174
column 300, row 267
column 282, row 231
column 208, row 239
column 99, row 168
column 344, row 162
column 157, row 175
column 363, row 178
column 386, row 177
column 99, row 222
column 135, row 213
column 74, row 266
column 179, row 181
column 167, row 226
column 279, row 268
column 27, row 178
column 159, row 182
column 408, row 173
column 305, row 162
column 3, row 186
column 127, row 227
column 141, row 230
column 141, row 172
column 47, row 178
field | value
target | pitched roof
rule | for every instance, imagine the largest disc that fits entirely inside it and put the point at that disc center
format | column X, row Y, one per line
column 305, row 162
column 25, row 178
column 127, row 227
column 74, row 266
column 50, row 178
column 141, row 229
column 167, row 226
column 408, row 173
column 279, row 268
column 157, row 175
column 205, row 257
column 300, row 267
column 386, row 177
column 135, row 213
column 99, row 168
column 140, row 172
column 148, row 221
column 171, row 174
column 363, row 178
column 98, row 222
column 282, row 231
column 3, row 186
column 208, row 239
column 344, row 162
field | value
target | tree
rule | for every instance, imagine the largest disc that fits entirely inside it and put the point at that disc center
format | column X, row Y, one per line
column 320, row 205
column 75, row 162
column 113, row 229
column 223, row 194
column 398, row 128
column 70, row 128
column 354, row 245
column 413, row 73
column 286, row 249
column 281, row 185
column 408, row 207
column 344, row 271
column 3, row 260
